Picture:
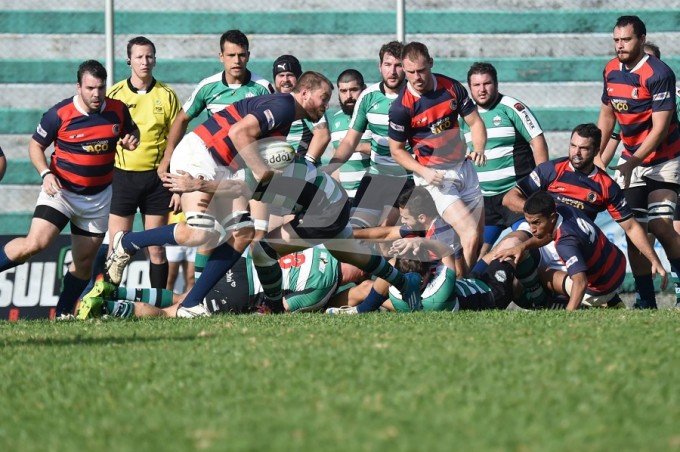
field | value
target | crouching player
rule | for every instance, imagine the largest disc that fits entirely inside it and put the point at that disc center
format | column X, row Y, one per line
column 595, row 268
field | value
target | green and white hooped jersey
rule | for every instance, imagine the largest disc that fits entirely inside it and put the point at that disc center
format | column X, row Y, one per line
column 352, row 171
column 510, row 126
column 300, row 188
column 443, row 292
column 301, row 133
column 214, row 94
column 308, row 277
column 371, row 112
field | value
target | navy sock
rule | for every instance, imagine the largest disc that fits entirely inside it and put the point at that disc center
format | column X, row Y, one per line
column 5, row 262
column 158, row 275
column 165, row 235
column 372, row 302
column 644, row 286
column 70, row 291
column 478, row 268
column 222, row 259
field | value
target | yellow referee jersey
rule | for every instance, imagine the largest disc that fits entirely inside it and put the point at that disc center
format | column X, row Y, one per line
column 153, row 111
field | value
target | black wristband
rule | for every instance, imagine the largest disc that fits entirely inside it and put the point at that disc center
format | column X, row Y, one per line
column 45, row 173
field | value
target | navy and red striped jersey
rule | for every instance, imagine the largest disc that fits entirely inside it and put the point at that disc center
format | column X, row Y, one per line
column 429, row 122
column 583, row 247
column 274, row 112
column 635, row 95
column 590, row 193
column 84, row 143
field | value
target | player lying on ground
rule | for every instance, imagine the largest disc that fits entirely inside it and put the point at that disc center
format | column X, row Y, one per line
column 441, row 289
column 311, row 279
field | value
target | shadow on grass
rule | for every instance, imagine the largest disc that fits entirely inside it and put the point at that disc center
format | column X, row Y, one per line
column 82, row 340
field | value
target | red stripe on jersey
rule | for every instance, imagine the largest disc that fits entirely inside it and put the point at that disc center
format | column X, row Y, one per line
column 85, row 181
column 87, row 159
column 215, row 134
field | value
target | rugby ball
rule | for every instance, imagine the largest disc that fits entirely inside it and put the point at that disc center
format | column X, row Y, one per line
column 277, row 153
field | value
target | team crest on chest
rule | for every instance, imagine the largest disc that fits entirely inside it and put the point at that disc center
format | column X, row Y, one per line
column 454, row 104
column 591, row 197
column 496, row 120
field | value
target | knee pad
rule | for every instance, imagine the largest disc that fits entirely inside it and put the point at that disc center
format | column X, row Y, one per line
column 641, row 216
column 200, row 220
column 662, row 210
column 263, row 254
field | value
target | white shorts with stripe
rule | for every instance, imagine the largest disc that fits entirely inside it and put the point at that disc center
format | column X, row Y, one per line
column 87, row 212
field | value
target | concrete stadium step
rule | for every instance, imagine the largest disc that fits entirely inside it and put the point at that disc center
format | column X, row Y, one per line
column 559, row 45
column 567, row 94
column 322, row 21
column 358, row 5
column 511, row 70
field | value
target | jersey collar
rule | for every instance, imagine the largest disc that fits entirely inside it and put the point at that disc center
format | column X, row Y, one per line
column 246, row 80
column 135, row 90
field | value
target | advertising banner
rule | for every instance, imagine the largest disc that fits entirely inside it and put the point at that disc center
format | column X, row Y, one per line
column 31, row 290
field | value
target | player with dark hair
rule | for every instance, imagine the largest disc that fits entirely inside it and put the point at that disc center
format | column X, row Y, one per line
column 595, row 268
column 350, row 85
column 638, row 93
column 515, row 144
column 385, row 179
column 85, row 130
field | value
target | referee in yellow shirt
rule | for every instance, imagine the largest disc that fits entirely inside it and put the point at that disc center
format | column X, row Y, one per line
column 136, row 178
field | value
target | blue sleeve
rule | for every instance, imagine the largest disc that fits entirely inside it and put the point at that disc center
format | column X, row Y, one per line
column 400, row 122
column 570, row 252
column 537, row 180
column 48, row 128
column 465, row 104
column 274, row 113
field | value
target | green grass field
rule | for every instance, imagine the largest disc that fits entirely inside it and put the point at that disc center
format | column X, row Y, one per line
column 525, row 381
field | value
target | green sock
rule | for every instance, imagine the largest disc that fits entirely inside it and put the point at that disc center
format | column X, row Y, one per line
column 199, row 264
column 161, row 298
column 526, row 273
column 123, row 309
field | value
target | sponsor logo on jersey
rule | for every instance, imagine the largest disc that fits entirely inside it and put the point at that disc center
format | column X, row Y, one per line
column 421, row 120
column 661, row 96
column 519, row 106
column 396, row 127
column 99, row 146
column 527, row 118
column 270, row 119
column 620, row 105
column 250, row 95
column 571, row 261
column 131, row 106
column 580, row 205
column 40, row 131
column 441, row 125
column 634, row 94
